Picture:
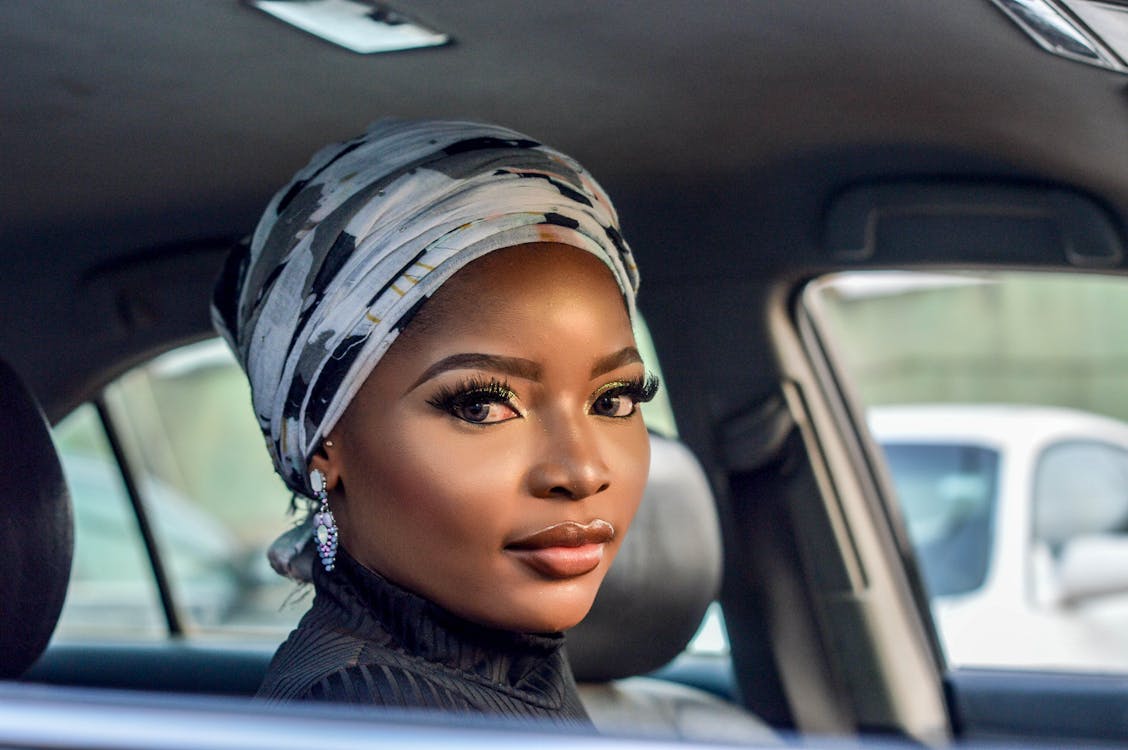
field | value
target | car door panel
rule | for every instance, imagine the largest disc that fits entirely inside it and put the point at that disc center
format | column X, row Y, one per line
column 1007, row 705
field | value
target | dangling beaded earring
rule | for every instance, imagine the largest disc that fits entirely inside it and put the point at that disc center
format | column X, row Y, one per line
column 324, row 526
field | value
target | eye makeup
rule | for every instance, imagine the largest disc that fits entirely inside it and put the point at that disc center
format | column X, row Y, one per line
column 473, row 399
column 470, row 400
column 608, row 400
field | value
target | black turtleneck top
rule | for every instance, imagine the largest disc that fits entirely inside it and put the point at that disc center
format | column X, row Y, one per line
column 366, row 640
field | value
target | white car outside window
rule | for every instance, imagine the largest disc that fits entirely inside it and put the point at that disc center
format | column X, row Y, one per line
column 1019, row 517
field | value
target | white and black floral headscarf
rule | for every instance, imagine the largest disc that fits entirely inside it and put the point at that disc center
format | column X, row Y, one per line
column 347, row 253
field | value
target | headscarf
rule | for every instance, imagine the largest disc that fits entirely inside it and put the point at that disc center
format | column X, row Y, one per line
column 347, row 253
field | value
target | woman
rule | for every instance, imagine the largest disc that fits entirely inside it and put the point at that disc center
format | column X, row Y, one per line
column 435, row 319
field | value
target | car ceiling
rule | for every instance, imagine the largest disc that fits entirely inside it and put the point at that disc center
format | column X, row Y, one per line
column 721, row 129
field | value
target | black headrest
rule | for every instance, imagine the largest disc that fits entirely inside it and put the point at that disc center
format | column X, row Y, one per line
column 36, row 529
column 666, row 574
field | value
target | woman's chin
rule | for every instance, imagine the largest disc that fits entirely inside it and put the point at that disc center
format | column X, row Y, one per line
column 546, row 614
column 556, row 625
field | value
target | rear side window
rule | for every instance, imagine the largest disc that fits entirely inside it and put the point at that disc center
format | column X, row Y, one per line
column 206, row 485
column 112, row 592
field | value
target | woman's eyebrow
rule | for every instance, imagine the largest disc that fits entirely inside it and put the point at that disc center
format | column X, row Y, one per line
column 515, row 366
column 628, row 355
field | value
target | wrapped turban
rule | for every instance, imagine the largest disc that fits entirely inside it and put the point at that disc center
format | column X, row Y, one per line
column 346, row 254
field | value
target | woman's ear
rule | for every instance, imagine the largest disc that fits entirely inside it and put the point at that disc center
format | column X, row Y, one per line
column 327, row 460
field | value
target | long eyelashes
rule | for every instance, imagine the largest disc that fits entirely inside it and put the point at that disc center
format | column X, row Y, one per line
column 622, row 398
column 472, row 399
column 482, row 401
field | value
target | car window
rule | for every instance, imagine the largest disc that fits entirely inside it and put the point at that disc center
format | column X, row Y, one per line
column 112, row 592
column 212, row 501
column 185, row 426
column 999, row 403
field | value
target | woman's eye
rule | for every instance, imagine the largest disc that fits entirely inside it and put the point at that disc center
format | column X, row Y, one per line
column 483, row 411
column 622, row 399
column 614, row 405
column 477, row 402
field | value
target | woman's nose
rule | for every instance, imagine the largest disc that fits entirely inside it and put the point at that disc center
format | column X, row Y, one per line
column 570, row 465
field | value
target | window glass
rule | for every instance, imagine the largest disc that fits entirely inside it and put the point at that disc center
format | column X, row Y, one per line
column 112, row 593
column 1000, row 403
column 210, row 492
column 712, row 636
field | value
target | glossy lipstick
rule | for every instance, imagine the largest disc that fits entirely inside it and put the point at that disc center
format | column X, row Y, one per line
column 564, row 550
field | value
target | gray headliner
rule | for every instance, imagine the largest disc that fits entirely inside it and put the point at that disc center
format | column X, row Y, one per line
column 721, row 128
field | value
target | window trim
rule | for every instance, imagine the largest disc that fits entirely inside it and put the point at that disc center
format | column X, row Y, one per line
column 869, row 464
column 896, row 638
column 125, row 468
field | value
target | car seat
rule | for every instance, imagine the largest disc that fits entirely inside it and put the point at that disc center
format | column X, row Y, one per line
column 36, row 529
column 666, row 574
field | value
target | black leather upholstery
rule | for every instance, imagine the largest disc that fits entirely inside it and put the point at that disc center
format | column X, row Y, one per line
column 666, row 574
column 36, row 529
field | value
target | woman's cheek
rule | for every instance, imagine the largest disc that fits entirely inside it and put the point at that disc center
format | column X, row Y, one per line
column 460, row 482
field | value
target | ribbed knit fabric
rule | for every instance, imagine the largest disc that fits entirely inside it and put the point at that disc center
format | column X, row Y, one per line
column 367, row 641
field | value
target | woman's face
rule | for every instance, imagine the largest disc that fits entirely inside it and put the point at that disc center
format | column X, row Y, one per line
column 495, row 457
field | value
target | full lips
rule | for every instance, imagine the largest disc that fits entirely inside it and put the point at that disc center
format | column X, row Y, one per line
column 564, row 550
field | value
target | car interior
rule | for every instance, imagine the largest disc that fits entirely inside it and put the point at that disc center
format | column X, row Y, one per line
column 751, row 149
column 647, row 611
